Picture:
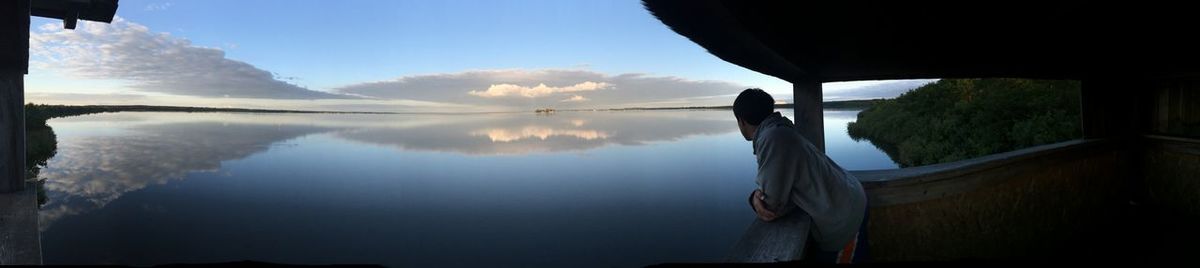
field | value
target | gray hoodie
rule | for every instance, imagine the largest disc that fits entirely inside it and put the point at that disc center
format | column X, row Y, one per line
column 792, row 173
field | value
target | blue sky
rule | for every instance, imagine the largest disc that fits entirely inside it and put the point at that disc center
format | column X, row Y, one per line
column 390, row 56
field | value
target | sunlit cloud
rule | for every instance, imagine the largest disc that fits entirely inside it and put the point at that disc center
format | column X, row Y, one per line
column 575, row 98
column 505, row 90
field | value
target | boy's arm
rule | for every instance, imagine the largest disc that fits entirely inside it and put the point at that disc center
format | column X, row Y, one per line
column 777, row 171
column 756, row 204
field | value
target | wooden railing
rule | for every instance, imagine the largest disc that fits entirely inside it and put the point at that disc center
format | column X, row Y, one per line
column 776, row 241
column 1171, row 172
column 909, row 185
column 918, row 212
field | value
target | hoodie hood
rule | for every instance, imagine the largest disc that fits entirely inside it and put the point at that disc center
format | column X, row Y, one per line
column 772, row 121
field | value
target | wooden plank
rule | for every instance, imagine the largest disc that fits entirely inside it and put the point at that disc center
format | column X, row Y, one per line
column 780, row 240
column 1181, row 145
column 810, row 116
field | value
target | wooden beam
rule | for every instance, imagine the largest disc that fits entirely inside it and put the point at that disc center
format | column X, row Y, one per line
column 71, row 11
column 14, row 58
column 14, row 36
column 12, row 133
column 810, row 116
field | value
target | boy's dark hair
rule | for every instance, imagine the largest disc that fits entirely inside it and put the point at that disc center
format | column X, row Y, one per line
column 753, row 105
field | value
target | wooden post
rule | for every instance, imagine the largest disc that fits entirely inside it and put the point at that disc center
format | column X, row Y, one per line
column 14, row 62
column 1115, row 107
column 809, row 114
column 1110, row 107
column 1095, row 119
column 12, row 133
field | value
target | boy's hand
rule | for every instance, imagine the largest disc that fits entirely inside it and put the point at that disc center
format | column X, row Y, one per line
column 760, row 207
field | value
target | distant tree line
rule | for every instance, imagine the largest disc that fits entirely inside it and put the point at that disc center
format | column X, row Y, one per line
column 955, row 119
column 37, row 114
column 846, row 104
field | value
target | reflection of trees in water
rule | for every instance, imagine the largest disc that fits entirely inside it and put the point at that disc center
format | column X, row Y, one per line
column 40, row 145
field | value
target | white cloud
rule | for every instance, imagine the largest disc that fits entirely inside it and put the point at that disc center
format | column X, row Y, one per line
column 156, row 62
column 82, row 98
column 535, row 88
column 158, row 6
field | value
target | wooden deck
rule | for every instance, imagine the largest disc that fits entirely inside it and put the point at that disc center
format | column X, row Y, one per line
column 19, row 241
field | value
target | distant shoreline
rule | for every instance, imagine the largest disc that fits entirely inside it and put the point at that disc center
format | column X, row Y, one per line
column 850, row 104
column 155, row 108
column 57, row 110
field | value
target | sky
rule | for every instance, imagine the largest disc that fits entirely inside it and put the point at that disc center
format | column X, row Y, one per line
column 391, row 56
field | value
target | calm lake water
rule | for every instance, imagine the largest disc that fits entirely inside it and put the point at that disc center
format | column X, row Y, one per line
column 601, row 189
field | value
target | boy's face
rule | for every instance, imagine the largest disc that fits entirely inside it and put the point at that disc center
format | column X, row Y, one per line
column 746, row 129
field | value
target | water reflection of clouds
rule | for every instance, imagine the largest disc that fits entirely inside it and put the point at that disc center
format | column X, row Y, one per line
column 89, row 171
column 539, row 132
column 99, row 162
column 505, row 134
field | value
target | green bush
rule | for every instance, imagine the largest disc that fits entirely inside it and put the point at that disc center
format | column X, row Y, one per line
column 955, row 119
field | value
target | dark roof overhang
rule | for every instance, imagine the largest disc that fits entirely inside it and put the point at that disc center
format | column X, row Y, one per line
column 829, row 41
column 70, row 11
